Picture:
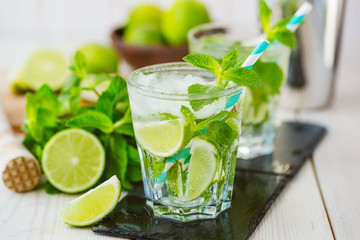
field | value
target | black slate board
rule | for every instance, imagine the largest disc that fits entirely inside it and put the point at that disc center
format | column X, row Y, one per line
column 257, row 184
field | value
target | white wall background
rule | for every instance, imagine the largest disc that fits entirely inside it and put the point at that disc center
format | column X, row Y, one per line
column 66, row 24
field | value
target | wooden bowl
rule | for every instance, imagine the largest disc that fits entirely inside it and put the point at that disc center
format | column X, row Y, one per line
column 140, row 56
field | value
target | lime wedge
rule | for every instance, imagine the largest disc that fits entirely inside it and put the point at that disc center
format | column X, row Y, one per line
column 163, row 138
column 46, row 66
column 93, row 205
column 73, row 160
column 202, row 168
column 174, row 181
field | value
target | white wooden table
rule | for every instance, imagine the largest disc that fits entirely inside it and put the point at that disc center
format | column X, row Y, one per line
column 321, row 202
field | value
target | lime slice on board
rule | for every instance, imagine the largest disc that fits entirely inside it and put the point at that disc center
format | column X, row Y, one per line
column 73, row 160
column 93, row 205
column 46, row 66
column 202, row 168
column 163, row 138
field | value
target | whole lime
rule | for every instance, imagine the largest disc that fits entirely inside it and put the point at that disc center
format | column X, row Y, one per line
column 144, row 34
column 99, row 58
column 183, row 15
column 145, row 14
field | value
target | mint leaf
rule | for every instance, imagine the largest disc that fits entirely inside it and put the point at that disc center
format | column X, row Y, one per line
column 167, row 116
column 265, row 16
column 200, row 88
column 243, row 77
column 222, row 135
column 126, row 129
column 92, row 119
column 285, row 36
column 69, row 96
column 272, row 76
column 42, row 110
column 50, row 189
column 115, row 92
column 282, row 23
column 116, row 159
column 188, row 115
column 230, row 60
column 203, row 61
column 216, row 117
column 79, row 67
column 134, row 166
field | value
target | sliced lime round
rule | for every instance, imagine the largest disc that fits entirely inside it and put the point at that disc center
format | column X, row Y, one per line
column 163, row 138
column 73, row 160
column 93, row 205
column 46, row 66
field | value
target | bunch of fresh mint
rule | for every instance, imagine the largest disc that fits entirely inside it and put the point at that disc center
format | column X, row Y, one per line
column 109, row 119
column 229, row 70
column 277, row 32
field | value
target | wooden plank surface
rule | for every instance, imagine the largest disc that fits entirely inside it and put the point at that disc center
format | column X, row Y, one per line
column 337, row 160
column 298, row 213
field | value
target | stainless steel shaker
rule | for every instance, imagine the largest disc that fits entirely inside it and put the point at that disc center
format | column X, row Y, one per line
column 313, row 64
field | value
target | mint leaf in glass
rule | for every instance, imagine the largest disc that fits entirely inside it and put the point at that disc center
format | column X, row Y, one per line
column 271, row 74
column 167, row 116
column 243, row 77
column 230, row 60
column 229, row 70
column 188, row 115
column 217, row 117
column 200, row 88
column 205, row 62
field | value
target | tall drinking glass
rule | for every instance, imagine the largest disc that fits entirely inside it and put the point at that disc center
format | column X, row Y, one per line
column 188, row 154
column 258, row 129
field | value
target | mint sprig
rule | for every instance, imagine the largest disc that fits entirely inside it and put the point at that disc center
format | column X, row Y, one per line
column 229, row 70
column 278, row 31
column 109, row 120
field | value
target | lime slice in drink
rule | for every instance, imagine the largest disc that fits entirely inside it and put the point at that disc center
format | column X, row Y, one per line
column 46, row 66
column 93, row 205
column 163, row 138
column 202, row 168
column 174, row 181
column 73, row 160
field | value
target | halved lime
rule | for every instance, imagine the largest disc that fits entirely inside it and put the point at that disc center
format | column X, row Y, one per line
column 174, row 181
column 163, row 138
column 46, row 66
column 73, row 160
column 93, row 205
column 202, row 168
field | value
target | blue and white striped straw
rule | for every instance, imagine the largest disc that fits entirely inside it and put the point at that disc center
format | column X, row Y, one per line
column 184, row 155
column 299, row 16
column 255, row 54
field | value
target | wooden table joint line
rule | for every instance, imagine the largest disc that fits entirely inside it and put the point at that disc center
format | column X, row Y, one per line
column 321, row 195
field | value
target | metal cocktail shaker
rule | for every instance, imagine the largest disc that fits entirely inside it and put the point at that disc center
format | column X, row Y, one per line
column 313, row 64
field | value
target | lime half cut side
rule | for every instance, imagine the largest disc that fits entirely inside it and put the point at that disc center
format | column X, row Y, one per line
column 46, row 66
column 163, row 138
column 73, row 160
column 202, row 168
column 93, row 205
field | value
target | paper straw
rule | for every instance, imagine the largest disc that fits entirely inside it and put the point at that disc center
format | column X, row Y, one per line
column 299, row 16
column 256, row 53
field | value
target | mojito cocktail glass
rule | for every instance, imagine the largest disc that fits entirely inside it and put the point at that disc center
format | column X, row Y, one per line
column 258, row 123
column 188, row 155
